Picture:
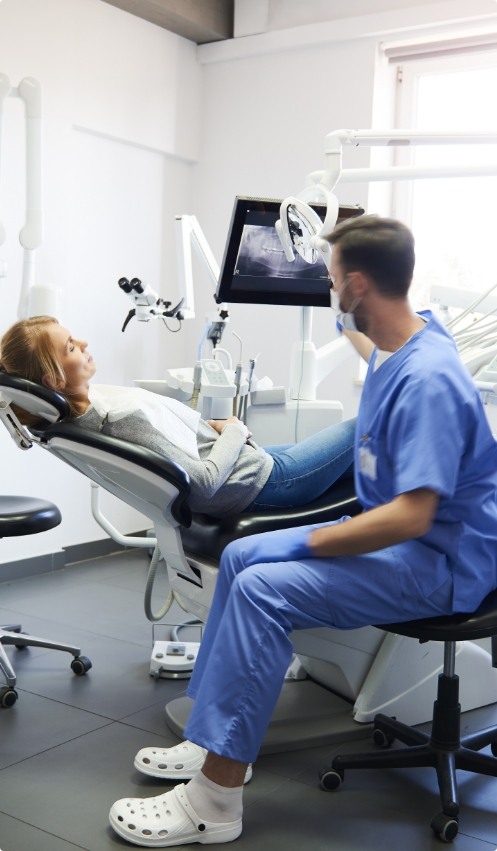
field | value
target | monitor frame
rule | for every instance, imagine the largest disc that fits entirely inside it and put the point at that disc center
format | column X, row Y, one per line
column 308, row 285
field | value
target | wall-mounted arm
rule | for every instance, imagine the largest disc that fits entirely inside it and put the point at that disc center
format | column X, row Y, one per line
column 309, row 366
column 30, row 236
column 190, row 235
column 4, row 92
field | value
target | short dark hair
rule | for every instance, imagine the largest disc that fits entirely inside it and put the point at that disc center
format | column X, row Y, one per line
column 381, row 248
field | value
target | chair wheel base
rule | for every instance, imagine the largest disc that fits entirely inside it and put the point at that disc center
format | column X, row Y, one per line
column 8, row 697
column 80, row 665
column 331, row 779
column 445, row 827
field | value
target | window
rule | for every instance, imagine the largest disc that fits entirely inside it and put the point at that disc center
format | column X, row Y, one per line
column 454, row 219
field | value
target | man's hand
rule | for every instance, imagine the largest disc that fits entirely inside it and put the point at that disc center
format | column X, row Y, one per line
column 409, row 515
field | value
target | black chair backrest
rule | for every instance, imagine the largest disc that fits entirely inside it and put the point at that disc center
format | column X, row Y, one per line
column 89, row 452
column 115, row 464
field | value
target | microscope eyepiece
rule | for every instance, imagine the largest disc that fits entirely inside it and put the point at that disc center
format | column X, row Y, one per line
column 136, row 285
column 125, row 285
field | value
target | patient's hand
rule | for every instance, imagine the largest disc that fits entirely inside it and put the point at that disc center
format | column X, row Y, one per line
column 218, row 425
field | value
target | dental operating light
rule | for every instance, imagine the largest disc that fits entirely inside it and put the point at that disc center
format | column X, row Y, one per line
column 301, row 233
column 298, row 228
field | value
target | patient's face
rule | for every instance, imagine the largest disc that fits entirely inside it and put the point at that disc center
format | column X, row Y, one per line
column 75, row 360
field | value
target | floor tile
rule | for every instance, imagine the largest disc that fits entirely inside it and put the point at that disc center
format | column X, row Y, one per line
column 69, row 742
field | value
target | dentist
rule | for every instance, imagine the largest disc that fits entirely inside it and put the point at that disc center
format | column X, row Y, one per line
column 424, row 545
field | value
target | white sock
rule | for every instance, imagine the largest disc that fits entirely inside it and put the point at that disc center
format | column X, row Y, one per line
column 213, row 802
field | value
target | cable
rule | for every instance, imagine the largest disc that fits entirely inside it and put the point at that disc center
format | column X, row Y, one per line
column 471, row 307
column 238, row 377
column 301, row 378
column 202, row 341
column 175, row 629
column 152, row 571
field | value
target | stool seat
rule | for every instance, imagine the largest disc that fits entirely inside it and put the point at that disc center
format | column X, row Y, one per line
column 443, row 749
column 25, row 515
column 460, row 627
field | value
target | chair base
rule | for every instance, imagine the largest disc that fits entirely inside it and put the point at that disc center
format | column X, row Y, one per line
column 443, row 750
column 12, row 635
column 306, row 716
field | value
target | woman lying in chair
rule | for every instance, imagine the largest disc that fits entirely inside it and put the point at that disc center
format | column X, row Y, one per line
column 228, row 472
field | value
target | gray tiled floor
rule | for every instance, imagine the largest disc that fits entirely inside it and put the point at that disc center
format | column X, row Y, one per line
column 67, row 746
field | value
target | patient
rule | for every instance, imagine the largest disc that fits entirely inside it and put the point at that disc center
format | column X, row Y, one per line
column 228, row 472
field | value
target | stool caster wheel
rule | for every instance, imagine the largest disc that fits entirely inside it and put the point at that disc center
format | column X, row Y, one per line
column 20, row 646
column 445, row 827
column 382, row 739
column 8, row 697
column 80, row 665
column 331, row 779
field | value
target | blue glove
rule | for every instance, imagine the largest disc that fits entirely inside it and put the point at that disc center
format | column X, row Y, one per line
column 280, row 545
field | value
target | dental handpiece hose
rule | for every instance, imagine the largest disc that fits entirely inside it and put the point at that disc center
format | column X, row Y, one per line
column 197, row 381
column 238, row 381
column 249, row 386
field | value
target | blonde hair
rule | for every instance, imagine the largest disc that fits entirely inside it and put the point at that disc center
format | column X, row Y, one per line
column 27, row 351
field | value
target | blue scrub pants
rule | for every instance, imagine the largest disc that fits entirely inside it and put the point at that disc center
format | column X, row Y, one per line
column 246, row 650
column 304, row 471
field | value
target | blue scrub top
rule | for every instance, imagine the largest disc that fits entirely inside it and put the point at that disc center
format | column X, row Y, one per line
column 421, row 424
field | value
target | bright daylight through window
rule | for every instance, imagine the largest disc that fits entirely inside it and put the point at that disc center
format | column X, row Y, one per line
column 454, row 219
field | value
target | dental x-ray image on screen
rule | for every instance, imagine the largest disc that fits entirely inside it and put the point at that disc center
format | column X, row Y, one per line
column 255, row 269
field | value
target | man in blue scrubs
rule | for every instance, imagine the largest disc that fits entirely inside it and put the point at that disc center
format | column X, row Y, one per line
column 425, row 544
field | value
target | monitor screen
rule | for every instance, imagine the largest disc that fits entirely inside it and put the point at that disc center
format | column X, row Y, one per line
column 254, row 268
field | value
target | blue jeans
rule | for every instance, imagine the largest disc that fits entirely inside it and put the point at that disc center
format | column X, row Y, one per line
column 304, row 471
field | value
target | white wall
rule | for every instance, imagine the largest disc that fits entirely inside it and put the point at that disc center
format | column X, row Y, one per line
column 139, row 125
column 269, row 101
column 121, row 127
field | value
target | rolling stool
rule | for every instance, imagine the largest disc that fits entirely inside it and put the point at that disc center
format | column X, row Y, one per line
column 444, row 749
column 21, row 515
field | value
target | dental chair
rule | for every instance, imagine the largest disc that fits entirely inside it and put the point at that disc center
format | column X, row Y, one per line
column 341, row 679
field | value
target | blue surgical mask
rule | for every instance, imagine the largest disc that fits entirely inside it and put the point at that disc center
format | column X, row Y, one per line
column 347, row 320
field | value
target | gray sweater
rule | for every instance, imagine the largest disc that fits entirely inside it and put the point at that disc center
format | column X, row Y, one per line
column 224, row 480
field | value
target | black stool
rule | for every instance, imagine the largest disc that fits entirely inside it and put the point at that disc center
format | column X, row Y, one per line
column 20, row 515
column 444, row 749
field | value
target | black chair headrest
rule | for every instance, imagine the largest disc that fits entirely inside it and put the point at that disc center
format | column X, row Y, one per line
column 34, row 398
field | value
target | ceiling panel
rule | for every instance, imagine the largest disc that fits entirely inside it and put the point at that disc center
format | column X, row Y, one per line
column 201, row 21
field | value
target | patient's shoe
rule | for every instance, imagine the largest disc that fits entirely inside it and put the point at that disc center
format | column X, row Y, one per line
column 168, row 820
column 180, row 762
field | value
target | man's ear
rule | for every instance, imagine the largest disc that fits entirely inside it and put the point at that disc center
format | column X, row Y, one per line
column 360, row 284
